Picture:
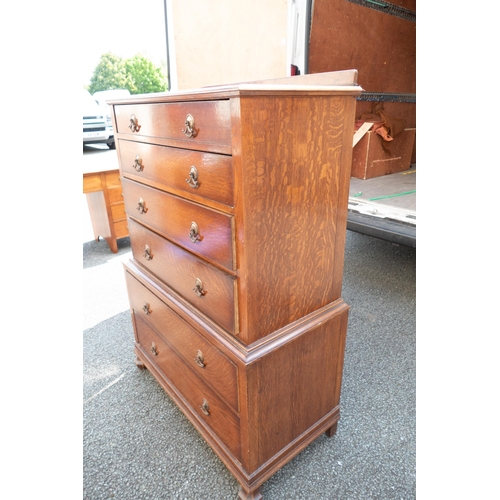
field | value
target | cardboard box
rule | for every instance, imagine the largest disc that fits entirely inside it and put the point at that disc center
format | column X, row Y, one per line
column 370, row 159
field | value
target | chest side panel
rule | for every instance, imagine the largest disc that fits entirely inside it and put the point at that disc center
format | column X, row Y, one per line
column 294, row 186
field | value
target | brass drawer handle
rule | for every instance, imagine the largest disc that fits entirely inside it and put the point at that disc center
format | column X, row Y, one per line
column 134, row 124
column 193, row 178
column 141, row 206
column 189, row 131
column 200, row 360
column 146, row 309
column 138, row 164
column 198, row 288
column 154, row 349
column 147, row 253
column 194, row 233
column 204, row 407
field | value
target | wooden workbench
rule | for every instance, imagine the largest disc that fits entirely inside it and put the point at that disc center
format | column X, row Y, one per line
column 107, row 210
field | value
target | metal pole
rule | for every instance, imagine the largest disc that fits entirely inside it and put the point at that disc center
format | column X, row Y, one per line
column 166, row 42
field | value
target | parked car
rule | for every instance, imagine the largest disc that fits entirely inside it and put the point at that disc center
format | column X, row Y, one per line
column 97, row 125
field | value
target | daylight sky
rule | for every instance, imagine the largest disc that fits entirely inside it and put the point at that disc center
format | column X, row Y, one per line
column 124, row 27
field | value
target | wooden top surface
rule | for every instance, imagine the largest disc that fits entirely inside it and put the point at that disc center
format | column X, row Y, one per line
column 99, row 160
column 336, row 82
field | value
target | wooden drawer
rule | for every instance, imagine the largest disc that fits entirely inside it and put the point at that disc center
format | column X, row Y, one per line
column 115, row 194
column 175, row 219
column 224, row 422
column 171, row 167
column 118, row 212
column 219, row 372
column 212, row 122
column 180, row 270
column 121, row 228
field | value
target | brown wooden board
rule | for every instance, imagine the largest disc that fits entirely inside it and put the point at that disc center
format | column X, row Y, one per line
column 380, row 46
column 371, row 159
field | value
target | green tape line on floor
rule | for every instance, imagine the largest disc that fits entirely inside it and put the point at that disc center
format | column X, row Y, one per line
column 392, row 195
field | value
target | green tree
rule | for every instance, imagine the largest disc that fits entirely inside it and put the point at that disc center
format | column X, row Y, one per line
column 137, row 74
column 144, row 77
column 110, row 73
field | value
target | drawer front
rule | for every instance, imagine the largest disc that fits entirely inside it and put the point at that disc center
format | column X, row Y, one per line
column 121, row 229
column 118, row 212
column 210, row 175
column 194, row 391
column 211, row 122
column 218, row 371
column 209, row 289
column 203, row 231
column 115, row 194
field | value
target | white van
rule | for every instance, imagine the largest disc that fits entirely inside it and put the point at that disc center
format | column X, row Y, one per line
column 97, row 125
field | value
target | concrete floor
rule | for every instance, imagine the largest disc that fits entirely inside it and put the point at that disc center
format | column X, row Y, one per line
column 138, row 445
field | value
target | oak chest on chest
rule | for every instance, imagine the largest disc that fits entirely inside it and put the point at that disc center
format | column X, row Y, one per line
column 236, row 200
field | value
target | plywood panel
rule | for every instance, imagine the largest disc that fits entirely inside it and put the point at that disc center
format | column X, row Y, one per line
column 381, row 47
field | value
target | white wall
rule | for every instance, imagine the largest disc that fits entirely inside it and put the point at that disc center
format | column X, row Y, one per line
column 224, row 41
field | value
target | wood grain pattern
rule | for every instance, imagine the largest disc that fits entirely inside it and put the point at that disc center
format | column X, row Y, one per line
column 294, row 387
column 293, row 187
column 370, row 159
column 179, row 269
column 168, row 168
column 172, row 217
column 380, row 46
column 211, row 119
column 219, row 371
column 121, row 229
column 271, row 259
column 221, row 418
